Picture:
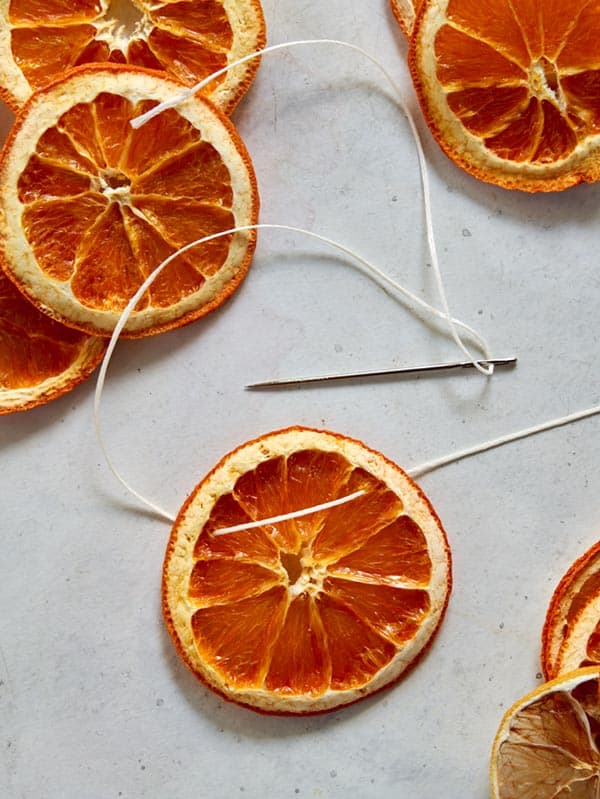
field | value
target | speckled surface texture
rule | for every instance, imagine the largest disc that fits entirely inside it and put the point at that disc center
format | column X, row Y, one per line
column 94, row 702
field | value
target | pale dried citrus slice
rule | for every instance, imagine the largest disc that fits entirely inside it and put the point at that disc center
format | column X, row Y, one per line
column 189, row 39
column 577, row 588
column 40, row 359
column 547, row 743
column 89, row 206
column 312, row 613
column 511, row 91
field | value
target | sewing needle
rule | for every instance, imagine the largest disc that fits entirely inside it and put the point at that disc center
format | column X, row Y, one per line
column 402, row 370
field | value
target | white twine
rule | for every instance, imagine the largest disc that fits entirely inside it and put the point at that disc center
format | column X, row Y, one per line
column 370, row 268
column 481, row 366
column 295, row 514
column 454, row 325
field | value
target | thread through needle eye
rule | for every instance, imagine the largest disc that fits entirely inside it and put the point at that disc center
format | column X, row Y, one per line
column 402, row 370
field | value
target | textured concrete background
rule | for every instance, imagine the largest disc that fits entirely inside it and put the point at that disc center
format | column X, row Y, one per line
column 93, row 700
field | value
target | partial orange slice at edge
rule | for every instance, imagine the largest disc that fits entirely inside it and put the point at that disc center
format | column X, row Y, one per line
column 188, row 40
column 576, row 590
column 40, row 359
column 512, row 96
column 547, row 743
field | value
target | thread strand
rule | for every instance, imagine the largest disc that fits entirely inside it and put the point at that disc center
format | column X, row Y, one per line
column 127, row 311
column 481, row 365
column 429, row 466
column 453, row 325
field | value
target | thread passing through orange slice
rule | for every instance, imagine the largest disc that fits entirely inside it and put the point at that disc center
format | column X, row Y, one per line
column 40, row 359
column 511, row 91
column 188, row 39
column 89, row 207
column 547, row 744
column 570, row 617
column 304, row 615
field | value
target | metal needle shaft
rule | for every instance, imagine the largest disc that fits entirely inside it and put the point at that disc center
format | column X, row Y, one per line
column 402, row 370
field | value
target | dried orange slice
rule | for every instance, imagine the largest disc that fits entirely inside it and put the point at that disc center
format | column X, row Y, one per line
column 40, row 359
column 89, row 206
column 577, row 588
column 512, row 93
column 189, row 39
column 312, row 613
column 547, row 743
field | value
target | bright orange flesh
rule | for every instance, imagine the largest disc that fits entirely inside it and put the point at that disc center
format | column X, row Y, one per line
column 188, row 39
column 36, row 353
column 547, row 744
column 523, row 79
column 71, row 223
column 350, row 617
column 319, row 603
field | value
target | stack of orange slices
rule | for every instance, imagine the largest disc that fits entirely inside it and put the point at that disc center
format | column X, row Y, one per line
column 89, row 207
column 548, row 744
column 510, row 90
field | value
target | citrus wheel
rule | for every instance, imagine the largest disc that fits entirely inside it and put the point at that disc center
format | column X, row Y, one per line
column 511, row 91
column 89, row 207
column 304, row 615
column 574, row 592
column 40, row 359
column 188, row 39
column 547, row 744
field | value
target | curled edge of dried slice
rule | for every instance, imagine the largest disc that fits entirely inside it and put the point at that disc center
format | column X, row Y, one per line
column 580, row 646
column 579, row 583
column 405, row 12
column 545, row 741
column 196, row 512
